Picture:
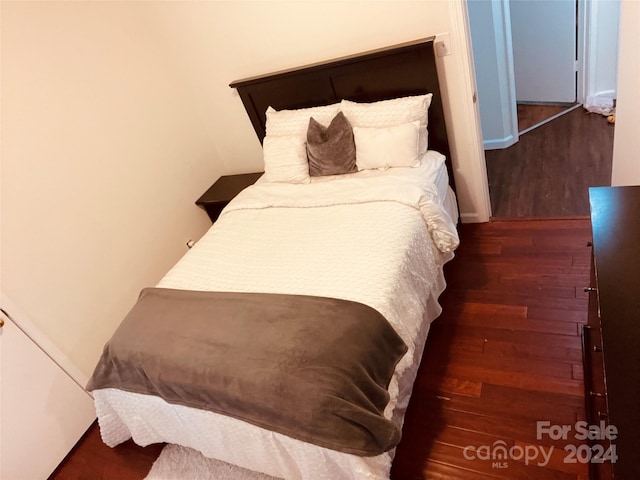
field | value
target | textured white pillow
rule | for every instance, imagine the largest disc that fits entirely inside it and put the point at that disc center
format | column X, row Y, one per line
column 389, row 113
column 285, row 159
column 386, row 147
column 296, row 122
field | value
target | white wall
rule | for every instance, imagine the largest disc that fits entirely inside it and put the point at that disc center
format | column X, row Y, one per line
column 117, row 115
column 493, row 60
column 103, row 153
column 244, row 43
column 626, row 144
column 603, row 18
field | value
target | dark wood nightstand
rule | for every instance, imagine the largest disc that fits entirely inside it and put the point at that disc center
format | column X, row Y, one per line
column 223, row 191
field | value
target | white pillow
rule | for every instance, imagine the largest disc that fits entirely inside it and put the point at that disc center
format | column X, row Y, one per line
column 285, row 159
column 386, row 147
column 389, row 113
column 296, row 122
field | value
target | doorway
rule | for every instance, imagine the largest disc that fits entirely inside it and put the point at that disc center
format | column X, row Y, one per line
column 545, row 60
column 545, row 51
column 514, row 43
column 510, row 46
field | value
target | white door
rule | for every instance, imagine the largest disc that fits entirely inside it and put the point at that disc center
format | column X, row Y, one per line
column 43, row 412
column 544, row 50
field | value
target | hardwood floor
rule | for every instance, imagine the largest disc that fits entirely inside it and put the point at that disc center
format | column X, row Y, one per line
column 505, row 353
column 531, row 115
column 93, row 460
column 547, row 173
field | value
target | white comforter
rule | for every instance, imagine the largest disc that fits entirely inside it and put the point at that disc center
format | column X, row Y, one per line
column 379, row 240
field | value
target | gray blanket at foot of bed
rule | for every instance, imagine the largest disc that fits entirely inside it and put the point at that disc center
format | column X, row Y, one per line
column 312, row 368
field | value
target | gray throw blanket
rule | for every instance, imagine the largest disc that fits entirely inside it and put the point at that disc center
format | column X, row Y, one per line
column 312, row 368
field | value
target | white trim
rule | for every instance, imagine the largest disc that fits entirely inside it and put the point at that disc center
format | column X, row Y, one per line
column 470, row 218
column 499, row 143
column 493, row 62
column 22, row 321
column 583, row 80
column 506, row 71
column 593, row 21
column 608, row 94
column 591, row 41
column 476, row 181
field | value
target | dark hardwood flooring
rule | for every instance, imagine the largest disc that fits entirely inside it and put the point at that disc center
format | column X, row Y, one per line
column 504, row 354
column 531, row 115
column 548, row 171
column 91, row 459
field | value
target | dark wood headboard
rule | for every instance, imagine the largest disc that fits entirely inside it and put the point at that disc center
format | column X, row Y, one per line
column 397, row 71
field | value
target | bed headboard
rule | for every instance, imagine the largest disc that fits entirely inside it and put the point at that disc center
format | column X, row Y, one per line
column 397, row 71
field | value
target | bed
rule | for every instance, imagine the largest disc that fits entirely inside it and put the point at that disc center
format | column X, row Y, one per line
column 376, row 238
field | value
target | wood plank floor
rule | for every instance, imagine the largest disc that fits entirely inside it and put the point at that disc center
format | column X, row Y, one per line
column 531, row 115
column 505, row 353
column 93, row 460
column 548, row 171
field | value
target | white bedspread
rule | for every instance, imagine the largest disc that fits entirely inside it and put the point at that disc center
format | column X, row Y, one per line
column 379, row 239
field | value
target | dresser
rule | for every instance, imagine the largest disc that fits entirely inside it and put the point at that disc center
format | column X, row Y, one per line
column 612, row 335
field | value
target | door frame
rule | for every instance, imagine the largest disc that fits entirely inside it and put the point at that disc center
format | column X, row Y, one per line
column 506, row 74
column 582, row 62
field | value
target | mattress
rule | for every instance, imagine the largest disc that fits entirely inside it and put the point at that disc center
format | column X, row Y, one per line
column 376, row 237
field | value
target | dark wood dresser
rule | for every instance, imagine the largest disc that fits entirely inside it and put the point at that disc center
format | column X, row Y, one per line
column 612, row 336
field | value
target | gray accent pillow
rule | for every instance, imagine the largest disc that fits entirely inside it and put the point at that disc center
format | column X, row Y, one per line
column 331, row 150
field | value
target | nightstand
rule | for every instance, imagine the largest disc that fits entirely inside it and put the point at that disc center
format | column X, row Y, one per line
column 223, row 191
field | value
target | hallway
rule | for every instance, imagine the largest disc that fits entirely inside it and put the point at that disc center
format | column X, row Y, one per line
column 547, row 173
